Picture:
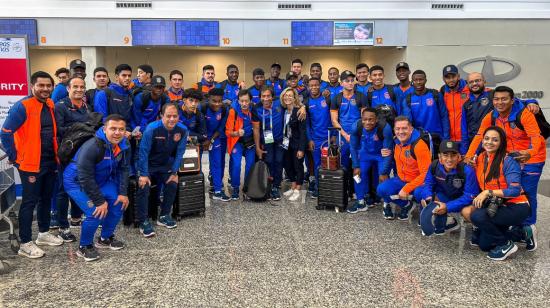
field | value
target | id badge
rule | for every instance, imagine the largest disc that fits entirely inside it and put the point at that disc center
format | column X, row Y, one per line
column 268, row 137
column 285, row 143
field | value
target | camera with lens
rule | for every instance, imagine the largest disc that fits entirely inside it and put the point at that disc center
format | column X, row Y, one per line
column 492, row 204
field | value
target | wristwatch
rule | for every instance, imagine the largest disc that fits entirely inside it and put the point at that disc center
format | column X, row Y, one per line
column 491, row 193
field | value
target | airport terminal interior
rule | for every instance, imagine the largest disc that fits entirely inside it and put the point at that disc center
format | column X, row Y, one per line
column 278, row 253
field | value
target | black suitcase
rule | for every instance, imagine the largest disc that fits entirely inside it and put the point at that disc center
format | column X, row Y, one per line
column 333, row 186
column 189, row 196
column 333, row 190
column 129, row 217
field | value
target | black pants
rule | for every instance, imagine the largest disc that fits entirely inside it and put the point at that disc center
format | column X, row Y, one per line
column 294, row 167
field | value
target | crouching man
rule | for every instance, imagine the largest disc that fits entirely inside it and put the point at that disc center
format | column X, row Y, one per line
column 97, row 180
column 450, row 186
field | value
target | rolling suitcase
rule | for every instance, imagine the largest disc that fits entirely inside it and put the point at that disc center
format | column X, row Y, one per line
column 333, row 187
column 189, row 196
column 129, row 217
column 191, row 161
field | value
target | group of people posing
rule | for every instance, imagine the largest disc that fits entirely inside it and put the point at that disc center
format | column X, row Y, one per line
column 461, row 149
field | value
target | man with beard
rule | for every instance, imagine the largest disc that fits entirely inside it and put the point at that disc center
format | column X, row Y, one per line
column 77, row 69
column 207, row 82
column 230, row 86
column 454, row 94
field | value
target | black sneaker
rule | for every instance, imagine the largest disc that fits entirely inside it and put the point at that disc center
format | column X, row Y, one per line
column 530, row 237
column 75, row 223
column 66, row 235
column 405, row 211
column 110, row 243
column 89, row 253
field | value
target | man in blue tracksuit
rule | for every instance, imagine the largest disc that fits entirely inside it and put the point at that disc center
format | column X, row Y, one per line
column 160, row 153
column 334, row 87
column 450, row 186
column 362, row 72
column 116, row 99
column 479, row 104
column 258, row 75
column 68, row 111
column 77, row 69
column 230, row 86
column 426, row 109
column 381, row 96
column 268, row 137
column 144, row 76
column 274, row 81
column 316, row 71
column 318, row 122
column 215, row 117
column 147, row 104
column 97, row 180
column 345, row 110
column 190, row 115
column 404, row 86
column 366, row 143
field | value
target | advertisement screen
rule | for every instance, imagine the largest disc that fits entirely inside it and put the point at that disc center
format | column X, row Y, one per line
column 356, row 33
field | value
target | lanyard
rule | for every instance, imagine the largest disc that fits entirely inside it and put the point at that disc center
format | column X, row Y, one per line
column 270, row 119
column 286, row 122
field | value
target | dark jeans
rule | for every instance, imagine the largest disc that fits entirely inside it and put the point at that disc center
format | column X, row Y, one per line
column 37, row 192
column 169, row 195
column 493, row 231
column 294, row 167
column 274, row 159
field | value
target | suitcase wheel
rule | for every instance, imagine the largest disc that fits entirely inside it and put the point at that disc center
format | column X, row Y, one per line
column 319, row 207
column 337, row 209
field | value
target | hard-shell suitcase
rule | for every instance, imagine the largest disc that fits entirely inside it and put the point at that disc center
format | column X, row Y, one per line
column 189, row 196
column 333, row 187
column 130, row 215
column 191, row 161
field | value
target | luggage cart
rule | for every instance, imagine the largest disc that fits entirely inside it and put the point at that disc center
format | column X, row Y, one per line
column 8, row 198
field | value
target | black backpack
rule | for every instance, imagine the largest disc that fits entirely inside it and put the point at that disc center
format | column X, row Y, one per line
column 358, row 97
column 427, row 138
column 90, row 96
column 146, row 97
column 76, row 135
column 544, row 126
column 385, row 112
column 257, row 185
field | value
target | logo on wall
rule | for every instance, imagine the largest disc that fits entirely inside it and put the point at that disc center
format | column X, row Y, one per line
column 488, row 70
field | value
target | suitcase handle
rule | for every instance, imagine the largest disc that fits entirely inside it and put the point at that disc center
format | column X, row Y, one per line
column 330, row 129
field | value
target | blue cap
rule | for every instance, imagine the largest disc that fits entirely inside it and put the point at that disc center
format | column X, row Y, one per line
column 450, row 69
column 429, row 221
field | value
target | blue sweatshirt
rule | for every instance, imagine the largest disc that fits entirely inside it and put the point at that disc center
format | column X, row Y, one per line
column 349, row 111
column 278, row 85
column 161, row 150
column 449, row 189
column 318, row 119
column 382, row 97
column 230, row 91
column 428, row 112
column 400, row 95
column 118, row 101
column 59, row 92
column 215, row 122
column 266, row 116
column 149, row 114
column 195, row 124
column 255, row 93
column 368, row 146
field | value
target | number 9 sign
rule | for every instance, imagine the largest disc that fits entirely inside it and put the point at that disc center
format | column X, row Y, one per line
column 126, row 40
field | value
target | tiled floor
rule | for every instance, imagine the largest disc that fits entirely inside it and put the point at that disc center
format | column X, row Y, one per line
column 250, row 254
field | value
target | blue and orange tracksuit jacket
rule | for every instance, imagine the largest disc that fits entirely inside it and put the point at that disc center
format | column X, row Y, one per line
column 22, row 136
column 96, row 163
column 400, row 94
column 410, row 170
column 278, row 85
column 194, row 123
column 516, row 139
column 450, row 189
column 143, row 116
column 366, row 146
column 160, row 149
column 204, row 86
column 428, row 112
column 174, row 95
column 454, row 99
column 473, row 112
column 119, row 101
column 318, row 119
column 238, row 119
column 509, row 180
column 230, row 91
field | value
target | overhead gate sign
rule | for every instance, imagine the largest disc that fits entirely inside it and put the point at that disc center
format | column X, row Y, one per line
column 14, row 72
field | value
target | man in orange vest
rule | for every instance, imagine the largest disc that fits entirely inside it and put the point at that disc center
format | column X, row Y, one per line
column 455, row 93
column 29, row 136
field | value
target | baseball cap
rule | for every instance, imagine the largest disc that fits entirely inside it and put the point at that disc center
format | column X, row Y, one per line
column 158, row 80
column 77, row 63
column 448, row 146
column 345, row 74
column 290, row 75
column 402, row 65
column 429, row 222
column 450, row 69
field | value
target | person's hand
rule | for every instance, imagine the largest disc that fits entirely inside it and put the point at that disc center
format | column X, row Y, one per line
column 356, row 171
column 326, row 93
column 122, row 200
column 127, row 134
column 523, row 156
column 206, row 144
column 242, row 84
column 260, row 152
column 441, row 208
column 383, row 178
column 137, row 135
column 385, row 152
column 346, row 136
column 241, row 132
column 478, row 201
column 172, row 178
column 144, row 180
column 534, row 108
column 403, row 195
column 101, row 211
column 302, row 113
column 311, row 145
column 299, row 154
column 424, row 202
column 470, row 161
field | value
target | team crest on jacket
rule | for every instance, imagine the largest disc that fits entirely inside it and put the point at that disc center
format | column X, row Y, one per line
column 352, row 101
column 408, row 153
column 219, row 116
column 463, row 95
column 278, row 109
column 484, row 101
column 387, row 95
column 376, row 137
column 457, row 183
column 512, row 125
column 323, row 104
column 429, row 101
column 177, row 137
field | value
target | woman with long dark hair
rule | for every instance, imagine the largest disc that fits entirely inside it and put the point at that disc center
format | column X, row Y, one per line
column 501, row 203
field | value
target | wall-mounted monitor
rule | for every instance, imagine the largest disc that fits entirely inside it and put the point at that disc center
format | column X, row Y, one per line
column 153, row 32
column 311, row 33
column 197, row 33
column 354, row 33
column 20, row 26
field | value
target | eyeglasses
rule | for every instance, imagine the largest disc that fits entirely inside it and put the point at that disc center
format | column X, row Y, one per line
column 475, row 81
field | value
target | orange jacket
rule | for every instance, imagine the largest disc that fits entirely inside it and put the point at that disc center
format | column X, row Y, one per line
column 27, row 136
column 204, row 87
column 454, row 99
column 501, row 183
column 174, row 96
column 410, row 170
column 233, row 124
column 516, row 139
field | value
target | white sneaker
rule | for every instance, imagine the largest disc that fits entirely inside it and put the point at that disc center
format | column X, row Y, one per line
column 295, row 195
column 288, row 193
column 30, row 250
column 47, row 238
